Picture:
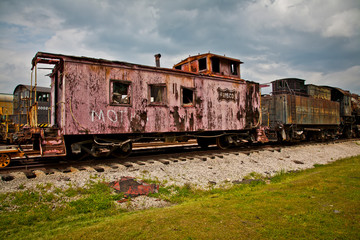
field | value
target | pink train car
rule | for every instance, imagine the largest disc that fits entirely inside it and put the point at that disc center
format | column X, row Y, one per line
column 102, row 106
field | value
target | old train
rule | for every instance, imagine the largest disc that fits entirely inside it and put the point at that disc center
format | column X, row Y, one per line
column 295, row 111
column 101, row 107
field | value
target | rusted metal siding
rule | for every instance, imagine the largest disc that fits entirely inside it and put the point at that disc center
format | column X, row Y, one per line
column 316, row 111
column 346, row 106
column 219, row 104
column 318, row 92
column 355, row 104
column 292, row 109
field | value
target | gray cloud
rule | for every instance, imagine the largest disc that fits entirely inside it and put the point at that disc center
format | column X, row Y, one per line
column 309, row 39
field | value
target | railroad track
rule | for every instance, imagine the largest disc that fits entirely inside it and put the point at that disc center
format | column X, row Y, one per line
column 143, row 154
column 35, row 161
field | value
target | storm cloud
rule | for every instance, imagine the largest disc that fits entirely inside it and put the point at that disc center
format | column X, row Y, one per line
column 316, row 40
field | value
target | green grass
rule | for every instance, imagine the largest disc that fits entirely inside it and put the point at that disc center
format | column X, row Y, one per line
column 319, row 203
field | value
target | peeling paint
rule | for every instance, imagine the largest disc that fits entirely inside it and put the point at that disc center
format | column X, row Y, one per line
column 85, row 98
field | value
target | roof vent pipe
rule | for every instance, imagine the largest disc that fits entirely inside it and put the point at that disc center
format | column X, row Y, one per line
column 157, row 59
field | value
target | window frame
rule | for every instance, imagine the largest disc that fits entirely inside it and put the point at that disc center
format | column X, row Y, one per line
column 202, row 59
column 111, row 92
column 43, row 97
column 215, row 65
column 164, row 94
column 234, row 66
column 182, row 96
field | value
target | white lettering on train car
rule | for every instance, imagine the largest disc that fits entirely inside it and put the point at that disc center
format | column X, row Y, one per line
column 100, row 115
column 111, row 115
column 115, row 116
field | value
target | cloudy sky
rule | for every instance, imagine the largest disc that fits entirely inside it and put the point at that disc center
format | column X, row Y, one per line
column 316, row 40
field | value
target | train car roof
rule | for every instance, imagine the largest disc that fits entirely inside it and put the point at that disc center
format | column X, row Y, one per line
column 343, row 92
column 52, row 58
column 38, row 88
column 5, row 97
column 199, row 56
column 289, row 79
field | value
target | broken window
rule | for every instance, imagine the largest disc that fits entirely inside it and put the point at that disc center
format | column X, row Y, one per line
column 202, row 64
column 215, row 62
column 234, row 68
column 25, row 94
column 43, row 97
column 281, row 84
column 46, row 97
column 120, row 92
column 187, row 97
column 157, row 94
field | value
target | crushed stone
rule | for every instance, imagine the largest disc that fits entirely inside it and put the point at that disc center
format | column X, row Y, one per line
column 215, row 172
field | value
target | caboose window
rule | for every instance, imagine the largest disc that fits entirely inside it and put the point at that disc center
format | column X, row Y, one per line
column 157, row 94
column 120, row 92
column 215, row 62
column 43, row 97
column 187, row 97
column 281, row 85
column 233, row 68
column 202, row 64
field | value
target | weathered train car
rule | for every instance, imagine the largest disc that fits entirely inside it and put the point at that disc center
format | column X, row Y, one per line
column 355, row 108
column 296, row 111
column 99, row 104
column 349, row 119
column 24, row 97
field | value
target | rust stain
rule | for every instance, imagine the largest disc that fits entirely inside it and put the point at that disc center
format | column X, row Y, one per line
column 179, row 122
column 132, row 187
column 138, row 123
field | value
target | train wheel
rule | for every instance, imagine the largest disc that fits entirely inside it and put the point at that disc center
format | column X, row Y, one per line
column 223, row 142
column 123, row 151
column 4, row 160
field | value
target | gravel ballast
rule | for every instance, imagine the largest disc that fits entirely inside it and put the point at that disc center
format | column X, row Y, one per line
column 217, row 172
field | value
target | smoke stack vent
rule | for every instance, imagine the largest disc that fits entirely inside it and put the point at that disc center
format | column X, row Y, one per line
column 157, row 59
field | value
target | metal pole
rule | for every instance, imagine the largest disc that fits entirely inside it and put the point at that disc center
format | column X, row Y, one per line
column 35, row 85
column 7, row 124
column 29, row 100
column 35, row 99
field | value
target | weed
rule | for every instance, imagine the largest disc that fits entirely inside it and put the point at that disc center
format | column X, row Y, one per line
column 91, row 204
column 150, row 181
column 42, row 187
column 117, row 197
column 72, row 192
column 94, row 177
column 26, row 198
column 254, row 175
column 57, row 190
column 281, row 175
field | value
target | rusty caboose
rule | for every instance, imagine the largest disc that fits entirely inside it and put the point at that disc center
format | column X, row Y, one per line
column 102, row 106
column 296, row 111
